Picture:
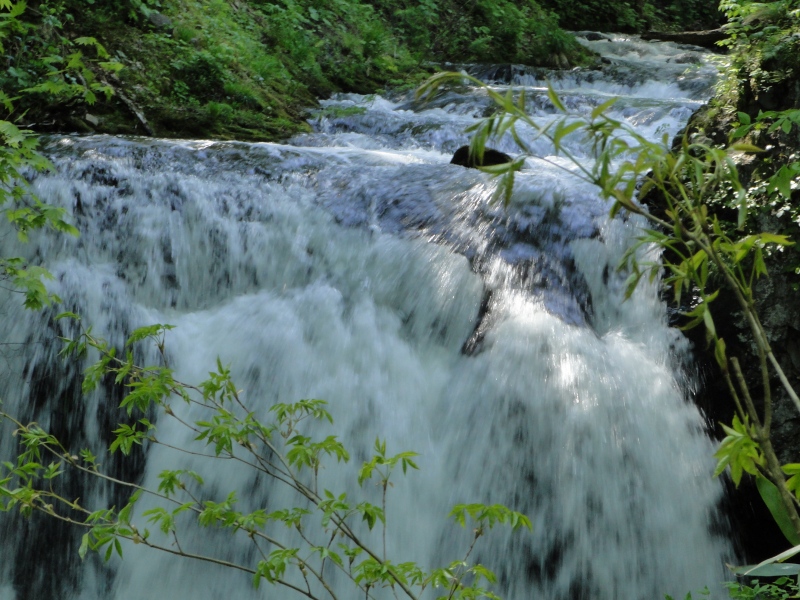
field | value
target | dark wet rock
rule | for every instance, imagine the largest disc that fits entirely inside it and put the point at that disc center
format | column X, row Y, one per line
column 706, row 39
column 688, row 58
column 484, row 323
column 592, row 36
column 490, row 157
column 159, row 22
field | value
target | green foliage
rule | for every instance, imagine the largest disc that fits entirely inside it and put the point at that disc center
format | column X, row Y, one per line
column 770, row 120
column 738, row 451
column 490, row 31
column 289, row 541
column 777, row 177
column 763, row 42
column 382, row 465
column 201, row 74
column 704, row 592
column 597, row 15
column 771, row 567
column 55, row 68
column 776, row 580
column 782, row 588
column 771, row 495
column 750, row 21
column 681, row 15
column 489, row 516
column 46, row 66
column 635, row 15
column 342, row 43
column 248, row 69
column 757, row 98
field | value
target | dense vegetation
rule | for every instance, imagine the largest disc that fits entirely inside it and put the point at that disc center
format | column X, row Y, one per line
column 249, row 69
column 758, row 102
column 637, row 16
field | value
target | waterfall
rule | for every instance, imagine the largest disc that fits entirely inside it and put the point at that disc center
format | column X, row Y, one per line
column 354, row 264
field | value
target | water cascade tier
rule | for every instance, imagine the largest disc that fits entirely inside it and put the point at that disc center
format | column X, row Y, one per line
column 356, row 265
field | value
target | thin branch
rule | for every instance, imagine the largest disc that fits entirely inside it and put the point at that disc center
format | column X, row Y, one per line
column 189, row 452
column 751, row 408
column 457, row 576
column 734, row 394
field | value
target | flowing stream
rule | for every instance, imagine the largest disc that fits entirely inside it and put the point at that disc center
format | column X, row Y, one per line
column 356, row 265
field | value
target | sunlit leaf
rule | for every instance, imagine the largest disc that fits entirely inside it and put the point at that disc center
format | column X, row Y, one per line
column 551, row 93
column 598, row 110
column 772, row 498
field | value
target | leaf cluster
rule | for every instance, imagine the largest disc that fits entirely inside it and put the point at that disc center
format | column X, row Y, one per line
column 617, row 15
column 783, row 588
column 490, row 31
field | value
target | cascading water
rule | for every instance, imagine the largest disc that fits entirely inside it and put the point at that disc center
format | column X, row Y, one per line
column 354, row 264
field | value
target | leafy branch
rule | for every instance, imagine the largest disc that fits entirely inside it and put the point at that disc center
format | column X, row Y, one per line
column 702, row 256
column 278, row 448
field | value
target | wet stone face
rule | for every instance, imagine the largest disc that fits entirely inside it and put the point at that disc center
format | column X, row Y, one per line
column 490, row 158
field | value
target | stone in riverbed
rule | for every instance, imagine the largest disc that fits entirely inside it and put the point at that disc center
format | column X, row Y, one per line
column 490, row 157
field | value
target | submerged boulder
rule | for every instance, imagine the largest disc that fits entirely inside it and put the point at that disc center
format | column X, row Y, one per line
column 490, row 157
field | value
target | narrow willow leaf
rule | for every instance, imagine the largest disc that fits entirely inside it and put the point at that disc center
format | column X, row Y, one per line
column 598, row 110
column 508, row 101
column 759, row 266
column 742, row 200
column 67, row 315
column 555, row 99
column 711, row 330
column 769, row 570
column 632, row 283
column 747, row 148
column 782, row 556
column 772, row 498
column 719, row 354
column 564, row 130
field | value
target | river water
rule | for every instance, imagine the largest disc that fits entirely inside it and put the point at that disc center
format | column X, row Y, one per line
column 356, row 265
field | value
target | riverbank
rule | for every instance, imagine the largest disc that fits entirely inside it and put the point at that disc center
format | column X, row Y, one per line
column 249, row 70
